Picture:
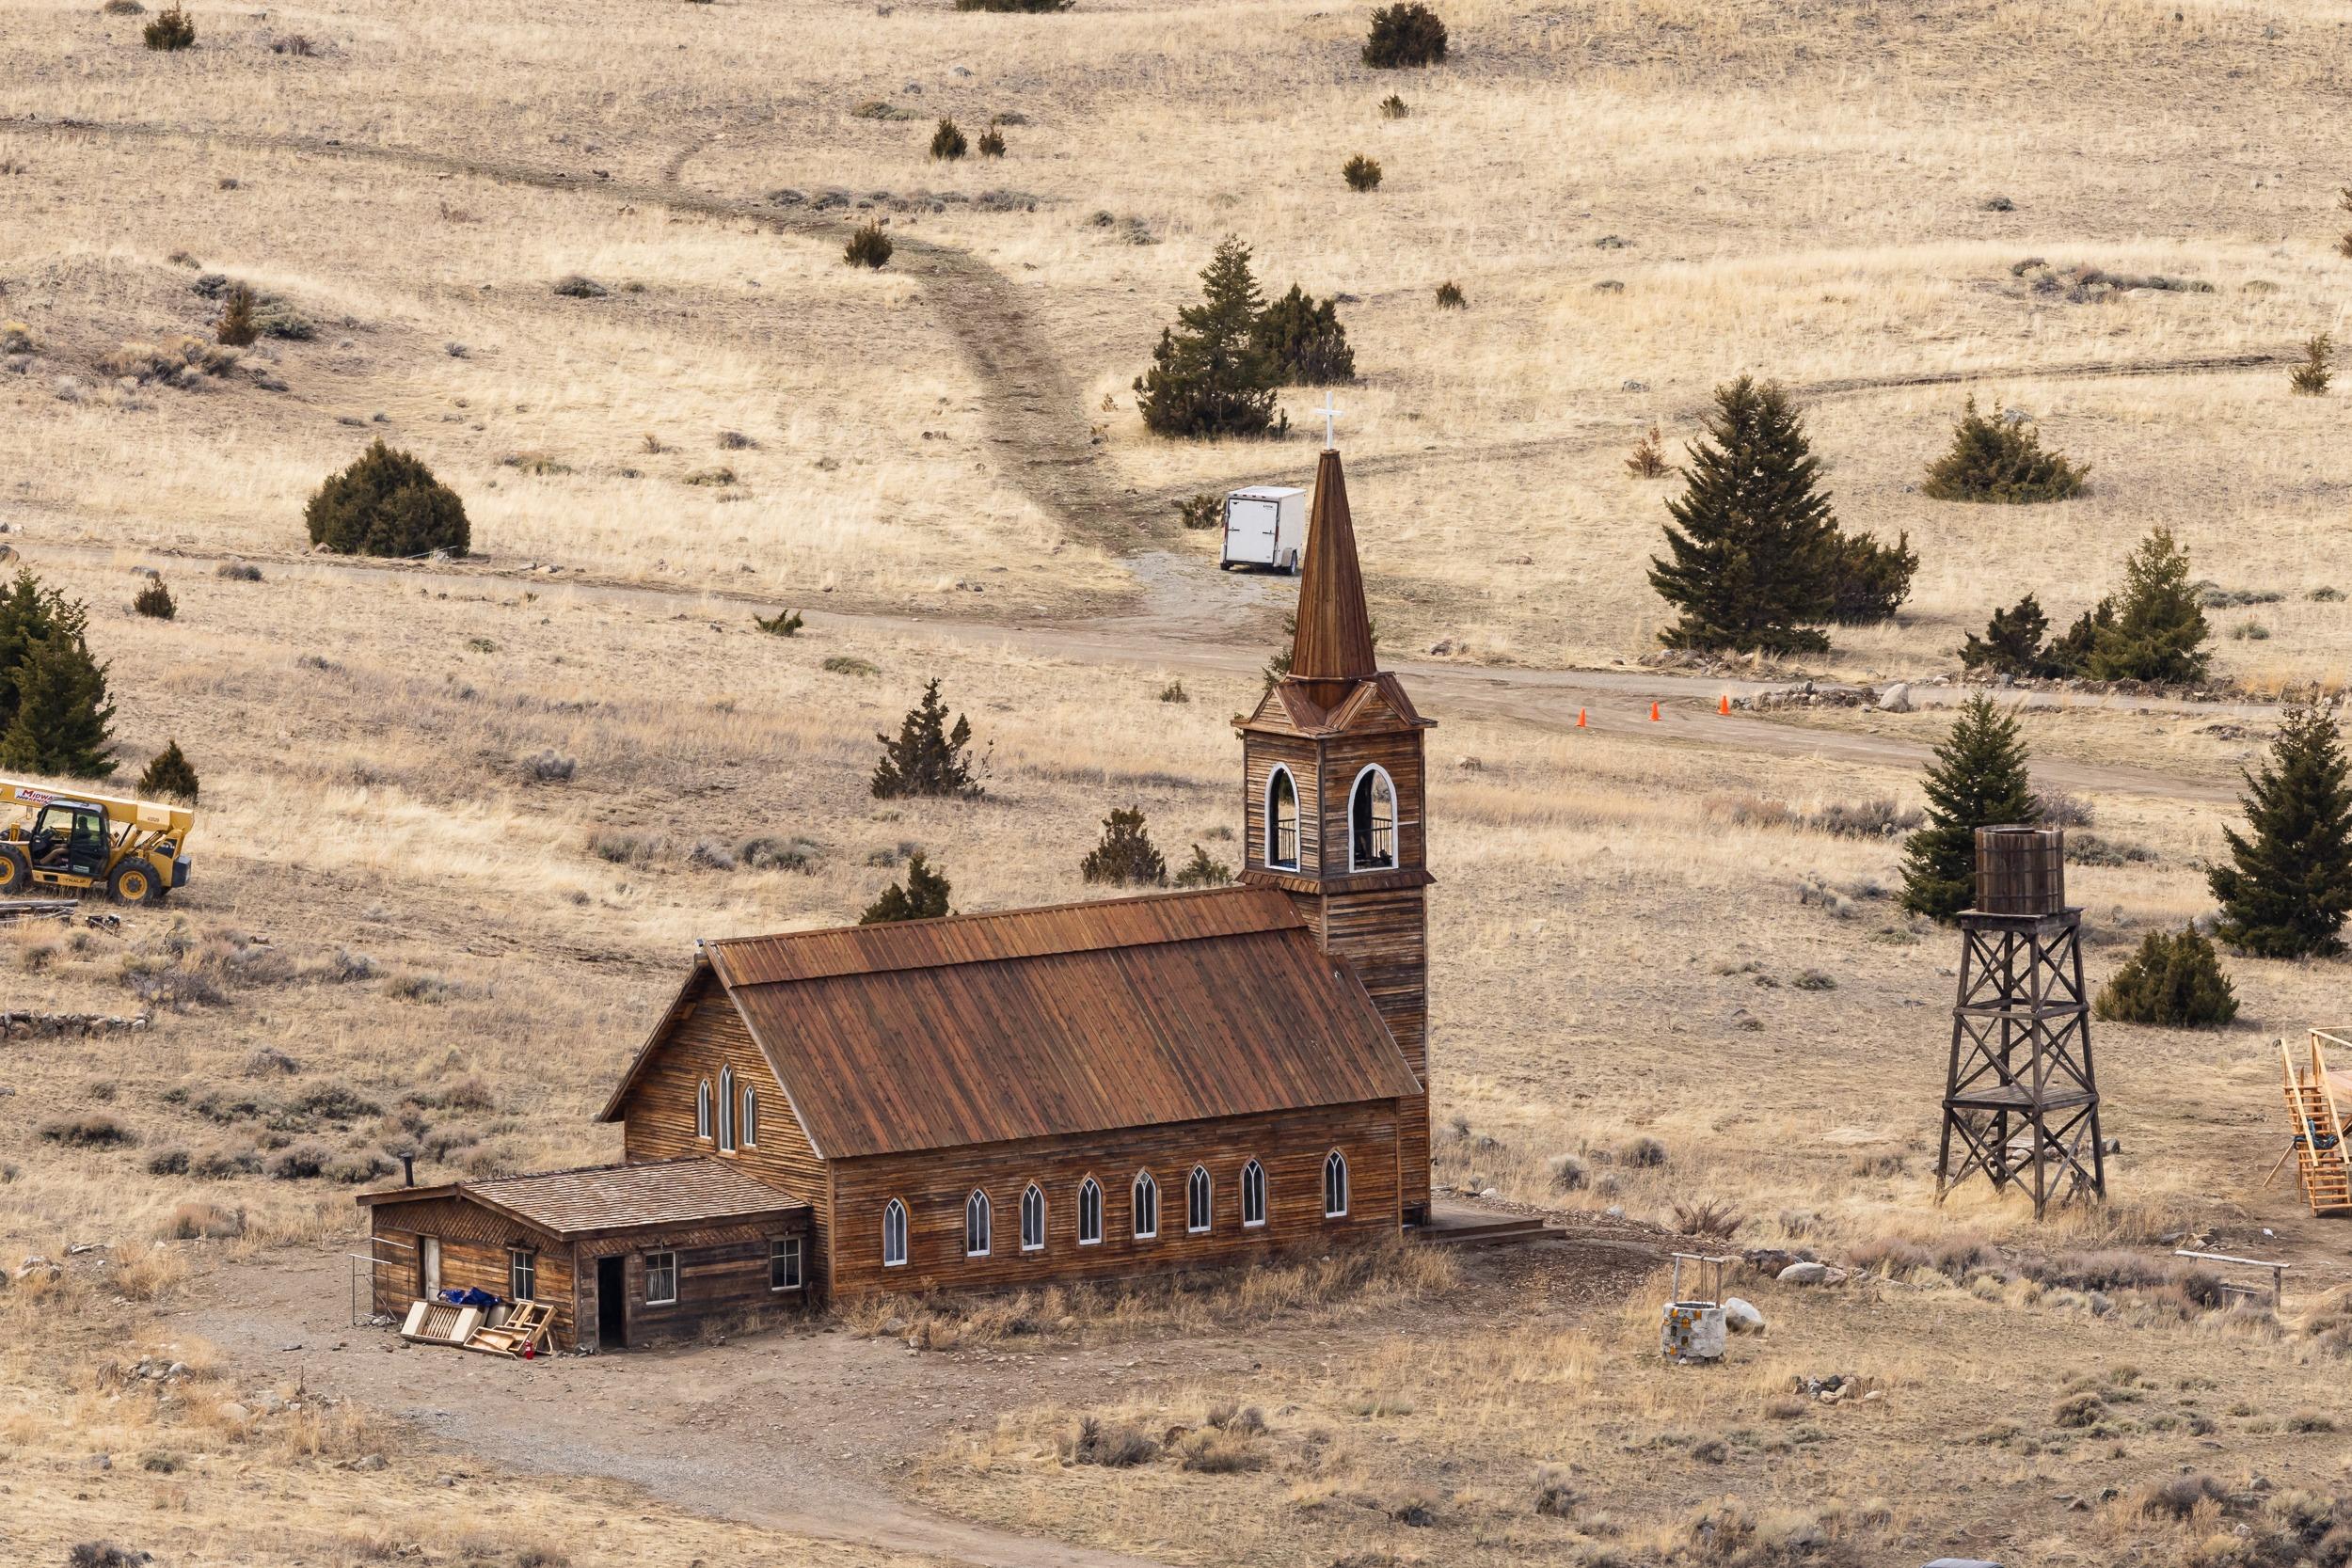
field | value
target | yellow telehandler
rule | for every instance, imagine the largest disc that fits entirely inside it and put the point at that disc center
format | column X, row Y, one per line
column 134, row 850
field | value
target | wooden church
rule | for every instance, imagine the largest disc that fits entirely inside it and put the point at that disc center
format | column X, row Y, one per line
column 1081, row 1091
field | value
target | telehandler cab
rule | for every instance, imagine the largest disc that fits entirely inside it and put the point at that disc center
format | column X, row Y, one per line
column 134, row 850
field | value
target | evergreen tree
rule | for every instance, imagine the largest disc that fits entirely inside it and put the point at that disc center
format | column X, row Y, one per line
column 924, row 897
column 2013, row 641
column 1207, row 376
column 387, row 503
column 27, row 613
column 2159, row 631
column 1869, row 582
column 1979, row 780
column 1300, row 337
column 2000, row 461
column 155, row 602
column 2175, row 980
column 2290, row 885
column 170, row 775
column 1406, row 34
column 928, row 758
column 63, row 723
column 1752, row 543
column 1126, row 857
column 2070, row 655
column 1201, row 871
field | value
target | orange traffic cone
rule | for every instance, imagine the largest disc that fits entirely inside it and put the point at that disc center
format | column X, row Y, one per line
column 1723, row 708
column 1580, row 718
column 1652, row 713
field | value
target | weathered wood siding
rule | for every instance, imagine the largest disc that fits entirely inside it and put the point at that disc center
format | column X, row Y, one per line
column 474, row 1246
column 1382, row 931
column 1386, row 937
column 723, row 1274
column 935, row 1184
column 1260, row 757
column 1345, row 756
column 657, row 1120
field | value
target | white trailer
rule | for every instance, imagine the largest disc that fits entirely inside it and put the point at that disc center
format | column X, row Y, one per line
column 1265, row 526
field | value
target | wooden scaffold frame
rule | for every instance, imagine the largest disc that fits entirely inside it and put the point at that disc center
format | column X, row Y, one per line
column 2021, row 1061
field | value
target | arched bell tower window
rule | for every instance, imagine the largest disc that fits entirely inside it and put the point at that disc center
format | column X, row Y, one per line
column 1371, row 821
column 1281, row 821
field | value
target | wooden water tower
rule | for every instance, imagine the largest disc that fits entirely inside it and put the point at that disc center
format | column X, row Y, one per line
column 2021, row 1097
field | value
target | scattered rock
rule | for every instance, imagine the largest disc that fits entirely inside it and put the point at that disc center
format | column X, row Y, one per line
column 370, row 1462
column 1804, row 1274
column 1742, row 1317
column 229, row 1410
column 1896, row 698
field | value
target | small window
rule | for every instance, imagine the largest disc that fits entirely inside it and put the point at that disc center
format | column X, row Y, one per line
column 1147, row 1207
column 894, row 1235
column 726, row 1109
column 1196, row 1196
column 784, row 1264
column 1371, row 821
column 1033, row 1219
column 976, row 1225
column 750, row 1127
column 1281, row 821
column 701, row 1110
column 660, row 1279
column 522, row 1273
column 1334, row 1186
column 1089, row 1213
column 1252, row 1195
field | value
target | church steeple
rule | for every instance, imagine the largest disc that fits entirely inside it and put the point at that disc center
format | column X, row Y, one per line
column 1334, row 638
column 1334, row 760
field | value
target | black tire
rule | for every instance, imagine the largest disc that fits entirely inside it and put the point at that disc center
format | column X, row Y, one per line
column 135, row 882
column 16, row 872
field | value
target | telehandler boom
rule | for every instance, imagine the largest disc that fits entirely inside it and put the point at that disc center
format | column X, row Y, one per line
column 135, row 849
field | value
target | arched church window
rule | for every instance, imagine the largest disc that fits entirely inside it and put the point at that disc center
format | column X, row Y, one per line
column 1371, row 821
column 1281, row 821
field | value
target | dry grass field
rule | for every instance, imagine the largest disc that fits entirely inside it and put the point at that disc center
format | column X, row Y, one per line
column 402, row 929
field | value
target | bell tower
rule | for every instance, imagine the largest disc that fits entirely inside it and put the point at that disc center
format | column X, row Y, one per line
column 1333, row 769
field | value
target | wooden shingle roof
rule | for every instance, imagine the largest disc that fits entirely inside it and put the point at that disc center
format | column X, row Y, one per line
column 1077, row 1018
column 598, row 1198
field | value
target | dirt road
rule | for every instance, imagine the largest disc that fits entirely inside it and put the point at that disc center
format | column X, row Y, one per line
column 791, row 1431
column 1165, row 634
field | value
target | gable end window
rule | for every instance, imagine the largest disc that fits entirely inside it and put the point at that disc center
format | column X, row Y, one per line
column 1282, row 820
column 1252, row 1195
column 1033, row 1218
column 1198, row 1205
column 894, row 1235
column 1147, row 1207
column 1371, row 821
column 748, row 1130
column 1335, row 1186
column 1089, row 1213
column 522, row 1273
column 660, row 1279
column 976, row 1225
column 701, row 1110
column 726, row 1110
column 784, row 1264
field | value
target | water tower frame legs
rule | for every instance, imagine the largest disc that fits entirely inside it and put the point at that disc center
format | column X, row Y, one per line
column 2021, row 1061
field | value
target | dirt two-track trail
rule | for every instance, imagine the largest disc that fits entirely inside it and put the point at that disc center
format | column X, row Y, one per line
column 1042, row 443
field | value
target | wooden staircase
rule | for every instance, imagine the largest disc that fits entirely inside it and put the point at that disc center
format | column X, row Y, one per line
column 2323, row 1167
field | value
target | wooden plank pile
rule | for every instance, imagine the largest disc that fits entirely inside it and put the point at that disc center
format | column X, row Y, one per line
column 441, row 1323
column 37, row 908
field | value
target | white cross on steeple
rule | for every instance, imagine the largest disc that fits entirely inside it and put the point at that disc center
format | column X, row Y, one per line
column 1330, row 415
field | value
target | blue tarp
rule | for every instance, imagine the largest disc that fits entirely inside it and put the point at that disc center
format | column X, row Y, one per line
column 470, row 1297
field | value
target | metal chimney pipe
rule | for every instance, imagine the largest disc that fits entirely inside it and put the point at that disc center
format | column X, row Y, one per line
column 408, row 1170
